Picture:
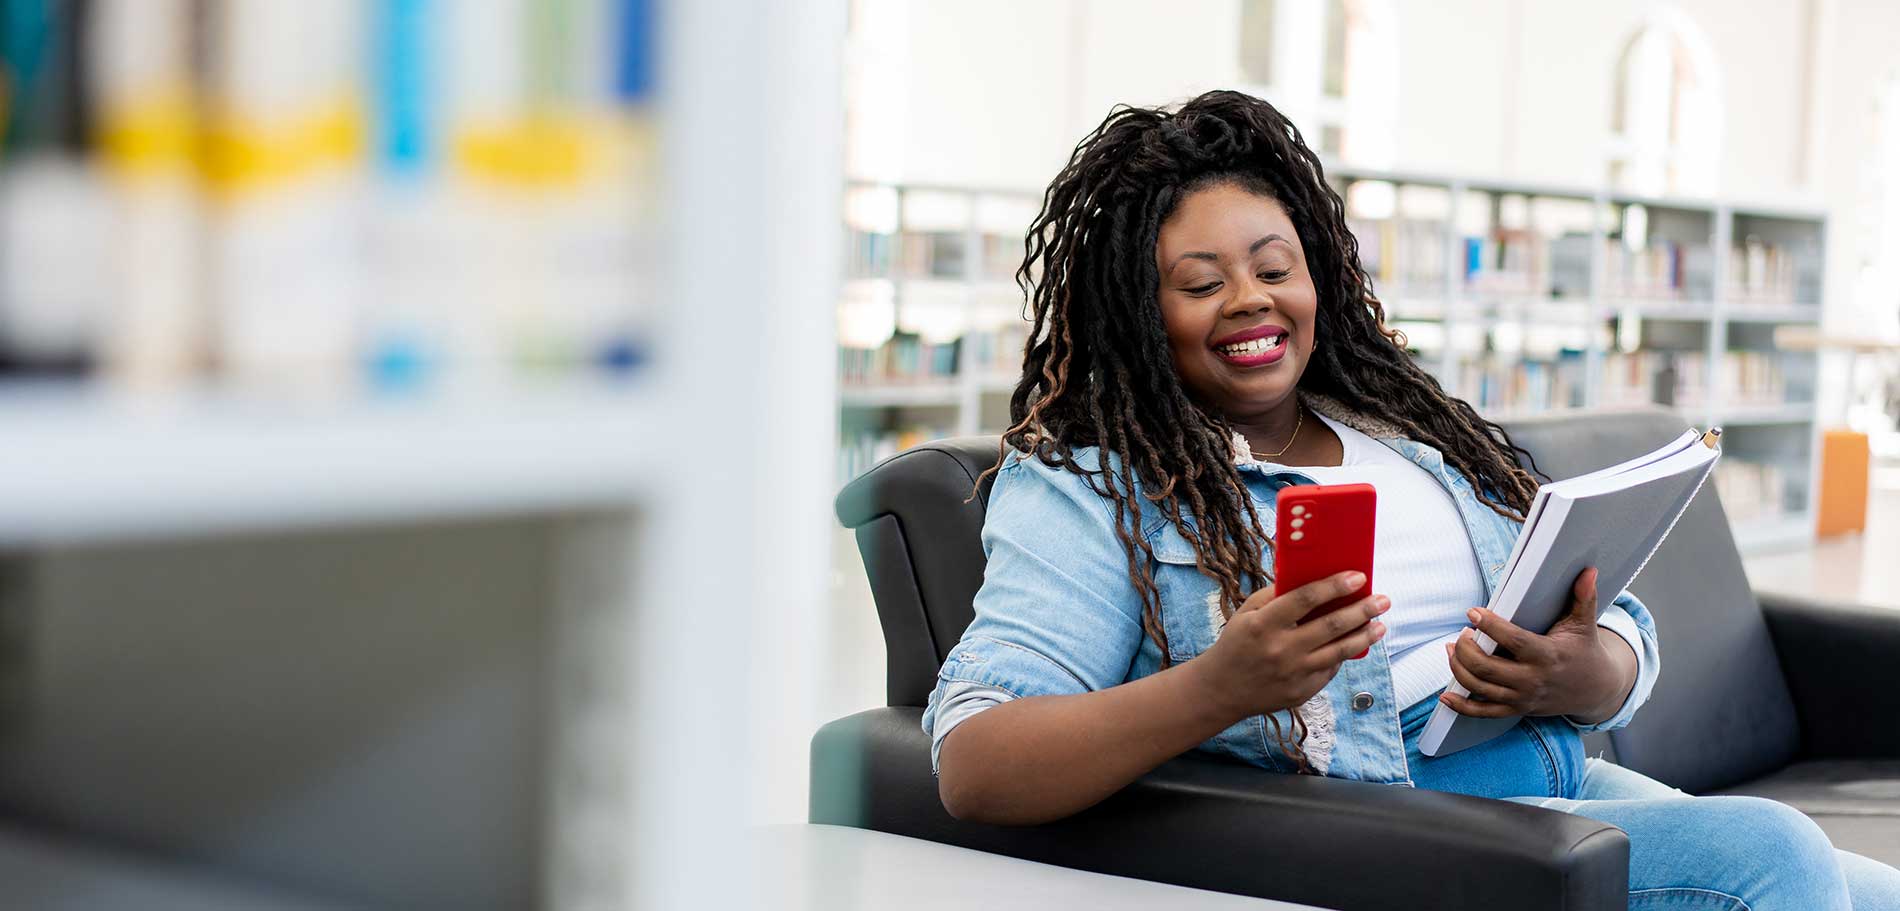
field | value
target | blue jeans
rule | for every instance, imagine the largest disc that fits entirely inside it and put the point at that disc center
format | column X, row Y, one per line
column 1716, row 853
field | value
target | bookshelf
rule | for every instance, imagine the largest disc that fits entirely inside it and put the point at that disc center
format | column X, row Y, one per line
column 1523, row 298
column 931, row 329
column 370, row 274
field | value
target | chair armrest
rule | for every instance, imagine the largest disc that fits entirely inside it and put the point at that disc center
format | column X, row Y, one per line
column 1227, row 827
column 1839, row 660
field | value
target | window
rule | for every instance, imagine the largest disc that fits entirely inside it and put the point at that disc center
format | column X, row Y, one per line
column 1874, row 396
column 1339, row 14
column 1878, row 258
column 1256, row 41
column 1666, row 128
column 1331, row 66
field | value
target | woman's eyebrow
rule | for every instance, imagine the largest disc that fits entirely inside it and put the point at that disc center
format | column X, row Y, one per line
column 1265, row 241
column 1215, row 257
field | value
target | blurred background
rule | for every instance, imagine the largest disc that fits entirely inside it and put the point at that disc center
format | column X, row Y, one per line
column 419, row 418
column 1562, row 205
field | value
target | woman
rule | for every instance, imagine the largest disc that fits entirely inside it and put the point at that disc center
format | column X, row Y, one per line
column 1203, row 336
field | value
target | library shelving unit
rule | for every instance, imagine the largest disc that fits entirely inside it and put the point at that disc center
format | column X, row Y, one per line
column 247, row 635
column 931, row 328
column 1524, row 298
column 1521, row 298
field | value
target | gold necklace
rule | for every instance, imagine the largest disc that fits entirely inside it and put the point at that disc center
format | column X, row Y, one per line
column 1297, row 420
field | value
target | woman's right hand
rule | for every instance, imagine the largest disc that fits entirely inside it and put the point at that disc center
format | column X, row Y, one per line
column 1266, row 660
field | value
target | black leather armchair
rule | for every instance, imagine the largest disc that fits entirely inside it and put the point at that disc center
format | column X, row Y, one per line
column 1722, row 718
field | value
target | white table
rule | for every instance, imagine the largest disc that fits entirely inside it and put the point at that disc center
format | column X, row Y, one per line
column 833, row 868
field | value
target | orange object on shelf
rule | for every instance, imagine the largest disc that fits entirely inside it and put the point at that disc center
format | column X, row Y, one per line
column 1845, row 459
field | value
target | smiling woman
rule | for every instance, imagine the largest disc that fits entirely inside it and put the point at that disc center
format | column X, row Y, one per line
column 1239, row 313
column 1218, row 221
column 1203, row 337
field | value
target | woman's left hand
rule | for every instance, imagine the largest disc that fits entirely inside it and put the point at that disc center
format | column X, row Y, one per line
column 1576, row 669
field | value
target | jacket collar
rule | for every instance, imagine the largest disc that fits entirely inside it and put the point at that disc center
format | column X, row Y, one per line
column 1321, row 404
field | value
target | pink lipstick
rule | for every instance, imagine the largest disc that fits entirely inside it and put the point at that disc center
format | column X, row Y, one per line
column 1256, row 347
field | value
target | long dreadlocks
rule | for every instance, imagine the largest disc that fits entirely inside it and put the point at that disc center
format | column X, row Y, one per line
column 1097, row 369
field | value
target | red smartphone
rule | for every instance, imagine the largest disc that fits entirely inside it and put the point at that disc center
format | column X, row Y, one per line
column 1321, row 530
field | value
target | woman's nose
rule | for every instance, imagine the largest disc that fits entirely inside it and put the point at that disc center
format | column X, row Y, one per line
column 1253, row 297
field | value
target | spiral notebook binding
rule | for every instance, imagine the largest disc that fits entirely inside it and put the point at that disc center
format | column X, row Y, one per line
column 1713, row 440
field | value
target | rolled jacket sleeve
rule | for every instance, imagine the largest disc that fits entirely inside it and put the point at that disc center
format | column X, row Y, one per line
column 1628, row 618
column 1056, row 613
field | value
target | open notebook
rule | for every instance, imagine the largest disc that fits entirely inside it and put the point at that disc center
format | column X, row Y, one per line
column 1612, row 519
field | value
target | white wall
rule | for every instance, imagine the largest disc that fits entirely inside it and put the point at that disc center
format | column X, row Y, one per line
column 1130, row 54
column 999, row 92
column 1859, row 37
column 1452, row 74
column 988, row 93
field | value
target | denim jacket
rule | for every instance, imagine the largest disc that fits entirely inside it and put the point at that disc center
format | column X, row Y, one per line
column 1057, row 614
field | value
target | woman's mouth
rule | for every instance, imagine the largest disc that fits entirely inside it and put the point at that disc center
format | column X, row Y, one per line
column 1254, row 352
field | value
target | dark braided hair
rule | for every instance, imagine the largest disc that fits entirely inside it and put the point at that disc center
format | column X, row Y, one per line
column 1097, row 369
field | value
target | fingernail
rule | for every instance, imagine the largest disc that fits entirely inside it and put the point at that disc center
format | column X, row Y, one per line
column 1356, row 579
column 1385, row 604
column 1378, row 629
column 1473, row 615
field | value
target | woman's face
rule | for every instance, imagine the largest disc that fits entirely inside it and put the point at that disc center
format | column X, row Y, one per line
column 1236, row 299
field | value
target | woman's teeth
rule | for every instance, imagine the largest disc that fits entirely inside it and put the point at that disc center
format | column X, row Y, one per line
column 1256, row 346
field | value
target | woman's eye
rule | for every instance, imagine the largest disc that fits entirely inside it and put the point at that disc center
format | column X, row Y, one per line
column 1274, row 276
column 1204, row 289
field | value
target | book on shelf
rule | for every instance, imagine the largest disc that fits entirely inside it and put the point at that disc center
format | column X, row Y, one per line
column 1668, row 377
column 860, row 449
column 55, row 218
column 906, row 358
column 932, row 254
column 1402, row 255
column 1002, row 254
column 1751, row 491
column 1513, row 261
column 1662, row 377
column 870, row 254
column 1526, row 384
column 1412, row 254
column 1754, row 377
column 1661, row 270
column 1763, row 274
column 998, row 352
column 1570, row 265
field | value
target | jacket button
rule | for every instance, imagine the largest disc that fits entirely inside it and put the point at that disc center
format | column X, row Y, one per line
column 1361, row 701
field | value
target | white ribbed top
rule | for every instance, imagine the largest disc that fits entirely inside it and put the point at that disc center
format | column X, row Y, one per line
column 1422, row 559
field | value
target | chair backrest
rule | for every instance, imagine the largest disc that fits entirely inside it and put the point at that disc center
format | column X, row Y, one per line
column 922, row 551
column 1720, row 713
